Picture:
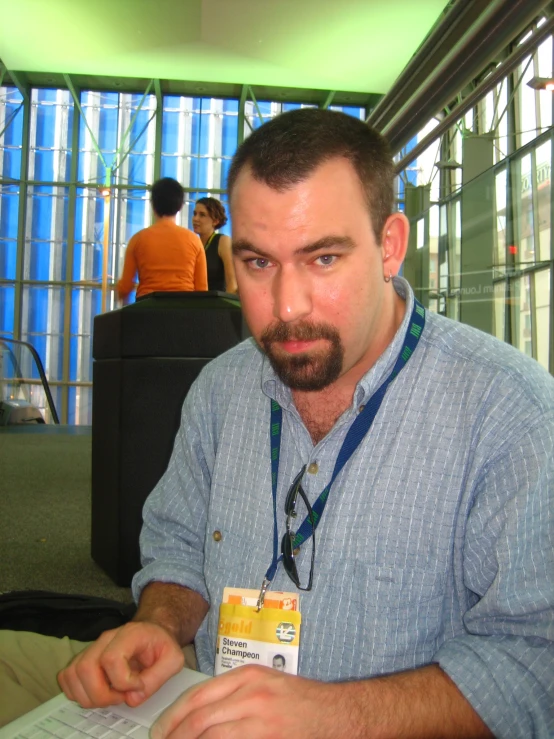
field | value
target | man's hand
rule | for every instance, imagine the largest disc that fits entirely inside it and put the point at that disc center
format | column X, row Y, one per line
column 261, row 703
column 256, row 702
column 125, row 665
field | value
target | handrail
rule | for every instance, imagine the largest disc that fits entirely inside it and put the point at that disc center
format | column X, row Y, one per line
column 38, row 362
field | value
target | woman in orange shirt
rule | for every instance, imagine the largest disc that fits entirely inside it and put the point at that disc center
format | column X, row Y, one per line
column 165, row 256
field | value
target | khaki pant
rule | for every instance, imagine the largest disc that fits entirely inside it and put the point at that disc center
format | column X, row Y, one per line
column 29, row 664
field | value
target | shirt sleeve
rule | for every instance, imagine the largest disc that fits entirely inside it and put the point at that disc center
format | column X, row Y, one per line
column 175, row 513
column 127, row 282
column 201, row 270
column 504, row 662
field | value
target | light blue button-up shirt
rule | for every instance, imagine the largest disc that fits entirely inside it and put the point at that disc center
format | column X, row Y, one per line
column 436, row 544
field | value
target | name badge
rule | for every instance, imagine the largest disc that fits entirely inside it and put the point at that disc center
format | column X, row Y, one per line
column 267, row 636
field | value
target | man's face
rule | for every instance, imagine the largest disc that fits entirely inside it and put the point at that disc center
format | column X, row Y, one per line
column 310, row 275
column 278, row 664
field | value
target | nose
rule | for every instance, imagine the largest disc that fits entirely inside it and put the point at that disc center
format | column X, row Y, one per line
column 292, row 294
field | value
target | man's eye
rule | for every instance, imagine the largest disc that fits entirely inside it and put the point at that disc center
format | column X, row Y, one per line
column 326, row 259
column 258, row 263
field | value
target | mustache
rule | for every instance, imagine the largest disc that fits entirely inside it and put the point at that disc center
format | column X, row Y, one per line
column 302, row 331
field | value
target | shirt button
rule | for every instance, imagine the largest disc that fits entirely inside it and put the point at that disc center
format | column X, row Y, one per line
column 360, row 409
column 217, row 535
column 313, row 468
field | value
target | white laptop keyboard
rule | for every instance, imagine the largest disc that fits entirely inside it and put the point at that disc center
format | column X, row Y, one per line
column 73, row 722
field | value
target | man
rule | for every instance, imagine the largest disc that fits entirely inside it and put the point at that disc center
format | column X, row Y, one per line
column 430, row 607
column 166, row 256
column 278, row 662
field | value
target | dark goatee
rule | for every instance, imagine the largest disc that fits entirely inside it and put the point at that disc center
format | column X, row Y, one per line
column 313, row 370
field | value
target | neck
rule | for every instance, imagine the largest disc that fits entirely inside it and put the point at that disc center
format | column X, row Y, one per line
column 204, row 238
column 164, row 219
column 321, row 409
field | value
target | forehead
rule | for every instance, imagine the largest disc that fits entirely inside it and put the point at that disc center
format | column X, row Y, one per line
column 331, row 194
column 200, row 208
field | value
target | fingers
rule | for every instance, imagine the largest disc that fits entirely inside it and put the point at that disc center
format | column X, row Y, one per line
column 84, row 679
column 208, row 704
column 124, row 665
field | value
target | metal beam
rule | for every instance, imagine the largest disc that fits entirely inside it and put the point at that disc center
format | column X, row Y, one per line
column 328, row 100
column 22, row 213
column 77, row 102
column 159, row 130
column 486, row 86
column 466, row 57
column 70, row 259
column 121, row 154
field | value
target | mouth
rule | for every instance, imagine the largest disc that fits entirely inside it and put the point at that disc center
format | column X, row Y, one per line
column 294, row 346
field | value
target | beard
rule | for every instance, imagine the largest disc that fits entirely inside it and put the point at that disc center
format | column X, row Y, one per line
column 307, row 370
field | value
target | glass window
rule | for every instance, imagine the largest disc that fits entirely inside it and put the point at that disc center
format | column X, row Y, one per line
column 11, row 123
column 523, row 208
column 45, row 255
column 42, row 320
column 543, row 159
column 50, row 135
column 522, row 336
column 527, row 129
column 9, row 213
column 500, row 208
column 542, row 315
column 499, row 309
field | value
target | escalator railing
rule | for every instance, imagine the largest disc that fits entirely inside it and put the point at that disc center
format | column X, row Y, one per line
column 22, row 377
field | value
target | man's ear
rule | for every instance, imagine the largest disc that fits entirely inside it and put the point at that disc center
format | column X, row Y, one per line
column 394, row 243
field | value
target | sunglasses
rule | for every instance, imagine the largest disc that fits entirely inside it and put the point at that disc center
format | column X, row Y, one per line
column 288, row 550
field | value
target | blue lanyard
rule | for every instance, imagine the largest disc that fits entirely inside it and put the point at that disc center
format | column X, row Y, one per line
column 356, row 432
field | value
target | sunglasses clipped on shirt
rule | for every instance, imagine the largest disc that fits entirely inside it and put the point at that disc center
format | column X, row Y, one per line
column 288, row 550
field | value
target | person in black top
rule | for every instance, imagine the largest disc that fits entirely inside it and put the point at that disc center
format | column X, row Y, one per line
column 209, row 215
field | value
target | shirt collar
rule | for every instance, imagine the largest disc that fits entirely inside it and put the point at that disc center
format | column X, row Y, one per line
column 275, row 389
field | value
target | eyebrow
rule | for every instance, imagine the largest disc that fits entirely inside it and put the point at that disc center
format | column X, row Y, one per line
column 327, row 242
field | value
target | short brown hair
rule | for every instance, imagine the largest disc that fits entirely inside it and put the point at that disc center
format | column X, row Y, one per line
column 215, row 209
column 287, row 149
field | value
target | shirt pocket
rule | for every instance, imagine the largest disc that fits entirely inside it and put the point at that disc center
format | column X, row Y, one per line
column 392, row 617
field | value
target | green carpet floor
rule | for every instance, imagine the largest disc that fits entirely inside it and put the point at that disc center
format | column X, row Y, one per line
column 45, row 513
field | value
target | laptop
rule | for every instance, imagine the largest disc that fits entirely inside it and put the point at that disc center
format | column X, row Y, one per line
column 61, row 718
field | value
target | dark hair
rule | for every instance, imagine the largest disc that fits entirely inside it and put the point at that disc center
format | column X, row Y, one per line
column 167, row 197
column 215, row 209
column 287, row 149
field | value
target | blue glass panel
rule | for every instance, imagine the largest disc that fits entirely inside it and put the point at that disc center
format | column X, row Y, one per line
column 13, row 133
column 137, row 206
column 204, row 135
column 39, row 260
column 12, row 163
column 7, row 300
column 137, row 169
column 44, row 165
column 229, row 136
column 45, row 125
column 46, row 96
column 138, row 137
column 203, row 167
column 9, row 211
column 41, row 208
column 194, row 168
column 107, row 131
column 225, row 167
column 169, row 167
column 230, row 106
column 8, row 259
column 170, row 132
column 291, row 106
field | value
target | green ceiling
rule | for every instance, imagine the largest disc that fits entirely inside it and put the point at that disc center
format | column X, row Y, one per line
column 358, row 46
